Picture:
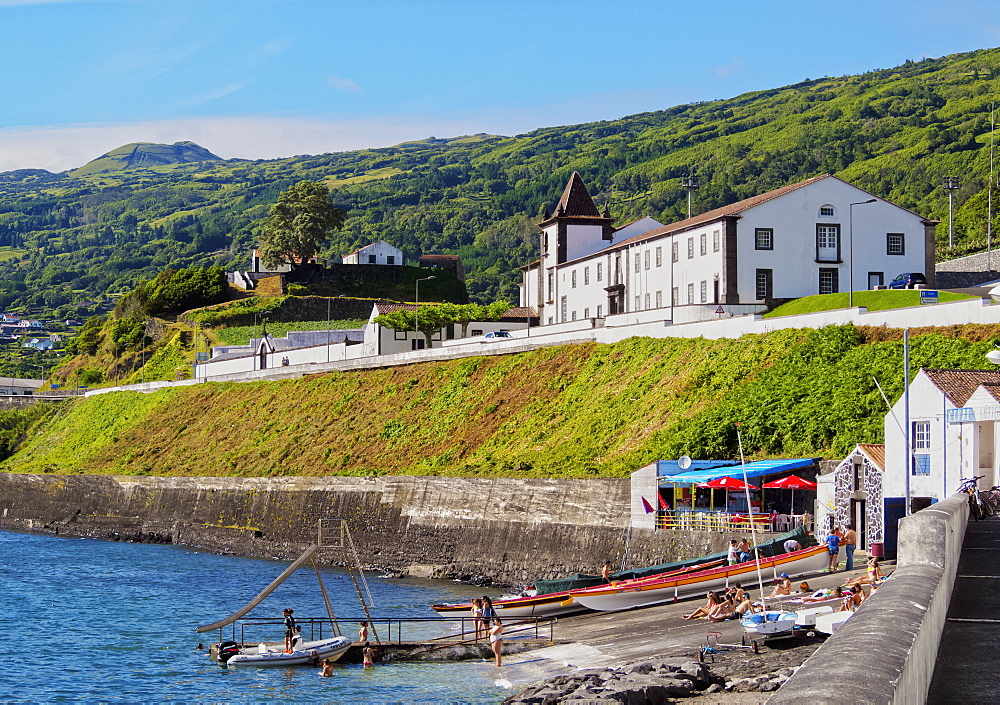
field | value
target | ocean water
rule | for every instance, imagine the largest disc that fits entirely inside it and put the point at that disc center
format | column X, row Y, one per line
column 92, row 620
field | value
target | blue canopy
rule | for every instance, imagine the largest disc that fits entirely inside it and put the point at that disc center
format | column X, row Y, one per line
column 758, row 468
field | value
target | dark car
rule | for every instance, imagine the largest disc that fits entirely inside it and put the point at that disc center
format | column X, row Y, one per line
column 907, row 281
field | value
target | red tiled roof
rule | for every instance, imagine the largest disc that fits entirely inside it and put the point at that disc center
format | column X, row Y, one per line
column 444, row 257
column 959, row 385
column 385, row 307
column 875, row 453
column 519, row 313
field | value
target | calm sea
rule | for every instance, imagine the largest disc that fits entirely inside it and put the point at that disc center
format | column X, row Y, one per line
column 114, row 622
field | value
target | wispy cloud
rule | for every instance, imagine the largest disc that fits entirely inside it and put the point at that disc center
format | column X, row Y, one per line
column 734, row 66
column 209, row 96
column 343, row 84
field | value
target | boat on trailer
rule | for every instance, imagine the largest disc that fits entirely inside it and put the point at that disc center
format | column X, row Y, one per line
column 654, row 591
column 311, row 652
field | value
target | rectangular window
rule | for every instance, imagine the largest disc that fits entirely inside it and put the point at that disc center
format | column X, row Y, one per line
column 565, row 308
column 826, row 211
column 636, row 304
column 673, row 252
column 390, row 259
column 647, row 301
column 635, row 259
column 921, row 464
column 921, row 435
column 691, row 293
column 690, row 248
column 647, row 259
column 586, row 277
column 371, row 259
column 659, row 299
column 600, row 311
column 477, row 332
column 764, row 239
column 586, row 313
column 600, row 271
column 829, row 281
column 574, row 315
column 551, row 283
column 703, row 244
column 827, row 243
column 765, row 283
column 400, row 335
column 876, row 279
column 573, row 279
column 715, row 241
column 704, row 291
column 895, row 244
column 659, row 256
column 674, row 296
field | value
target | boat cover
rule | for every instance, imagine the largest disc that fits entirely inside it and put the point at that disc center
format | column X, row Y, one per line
column 581, row 580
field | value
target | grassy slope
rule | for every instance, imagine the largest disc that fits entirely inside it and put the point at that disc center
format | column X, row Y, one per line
column 872, row 300
column 581, row 410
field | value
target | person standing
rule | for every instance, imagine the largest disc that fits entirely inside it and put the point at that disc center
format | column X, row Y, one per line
column 363, row 632
column 367, row 655
column 833, row 548
column 496, row 639
column 489, row 614
column 850, row 543
column 744, row 549
column 477, row 616
column 606, row 572
column 732, row 557
column 289, row 628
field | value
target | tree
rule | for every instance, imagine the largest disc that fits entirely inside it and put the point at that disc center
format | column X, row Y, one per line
column 464, row 314
column 298, row 224
column 432, row 319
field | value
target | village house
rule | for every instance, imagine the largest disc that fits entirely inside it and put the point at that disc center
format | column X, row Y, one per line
column 817, row 236
column 380, row 252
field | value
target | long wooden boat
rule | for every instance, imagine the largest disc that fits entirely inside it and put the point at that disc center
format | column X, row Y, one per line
column 550, row 605
column 655, row 591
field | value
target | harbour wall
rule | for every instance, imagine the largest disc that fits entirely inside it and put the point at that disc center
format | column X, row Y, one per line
column 507, row 530
column 885, row 653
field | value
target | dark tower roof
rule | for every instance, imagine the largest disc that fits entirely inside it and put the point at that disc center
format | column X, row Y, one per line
column 576, row 201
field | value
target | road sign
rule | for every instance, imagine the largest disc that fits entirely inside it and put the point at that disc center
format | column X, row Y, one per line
column 928, row 296
column 720, row 310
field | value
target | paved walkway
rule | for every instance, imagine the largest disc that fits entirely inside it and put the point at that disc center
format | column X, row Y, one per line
column 968, row 658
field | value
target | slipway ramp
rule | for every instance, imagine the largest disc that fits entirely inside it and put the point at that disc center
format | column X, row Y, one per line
column 264, row 593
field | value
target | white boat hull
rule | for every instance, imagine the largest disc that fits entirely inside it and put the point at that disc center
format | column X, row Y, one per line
column 326, row 649
column 772, row 623
column 613, row 599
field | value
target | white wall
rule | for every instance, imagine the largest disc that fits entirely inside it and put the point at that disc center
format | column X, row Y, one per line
column 383, row 252
column 644, row 485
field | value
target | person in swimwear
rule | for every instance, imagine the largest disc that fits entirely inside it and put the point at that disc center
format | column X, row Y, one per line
column 367, row 655
column 713, row 600
column 496, row 639
column 327, row 669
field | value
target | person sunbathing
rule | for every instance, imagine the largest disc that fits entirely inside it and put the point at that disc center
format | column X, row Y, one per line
column 873, row 576
column 737, row 612
column 852, row 599
column 782, row 587
column 713, row 601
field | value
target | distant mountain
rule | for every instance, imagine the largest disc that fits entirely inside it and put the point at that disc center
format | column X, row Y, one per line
column 139, row 155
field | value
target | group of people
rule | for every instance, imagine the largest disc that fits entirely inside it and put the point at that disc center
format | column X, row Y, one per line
column 293, row 642
column 486, row 623
column 837, row 538
column 732, row 603
column 739, row 551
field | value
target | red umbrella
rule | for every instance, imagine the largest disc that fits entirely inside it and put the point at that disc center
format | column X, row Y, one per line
column 792, row 482
column 730, row 483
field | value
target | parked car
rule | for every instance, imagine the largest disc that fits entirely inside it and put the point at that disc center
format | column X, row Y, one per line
column 907, row 280
column 495, row 336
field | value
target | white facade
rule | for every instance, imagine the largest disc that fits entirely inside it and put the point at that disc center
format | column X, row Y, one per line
column 380, row 252
column 795, row 241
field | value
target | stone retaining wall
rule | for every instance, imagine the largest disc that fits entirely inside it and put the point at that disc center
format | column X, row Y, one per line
column 885, row 652
column 505, row 529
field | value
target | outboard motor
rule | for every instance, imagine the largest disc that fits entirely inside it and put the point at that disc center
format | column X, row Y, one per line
column 228, row 649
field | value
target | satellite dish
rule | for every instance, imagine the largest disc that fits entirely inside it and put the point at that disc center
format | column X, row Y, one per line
column 684, row 462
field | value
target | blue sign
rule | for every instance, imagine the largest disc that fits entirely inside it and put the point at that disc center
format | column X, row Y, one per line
column 928, row 296
column 963, row 415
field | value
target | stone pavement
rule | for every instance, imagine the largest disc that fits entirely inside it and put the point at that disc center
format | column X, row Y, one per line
column 968, row 661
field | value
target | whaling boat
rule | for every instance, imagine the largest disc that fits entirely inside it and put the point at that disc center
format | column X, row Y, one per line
column 552, row 604
column 652, row 591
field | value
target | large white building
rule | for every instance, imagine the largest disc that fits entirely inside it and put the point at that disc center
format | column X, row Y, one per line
column 818, row 236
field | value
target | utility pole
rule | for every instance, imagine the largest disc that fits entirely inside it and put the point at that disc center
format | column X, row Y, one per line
column 689, row 183
column 949, row 184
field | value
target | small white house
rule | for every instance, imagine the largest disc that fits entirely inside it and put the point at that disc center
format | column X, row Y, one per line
column 380, row 252
column 385, row 341
column 13, row 386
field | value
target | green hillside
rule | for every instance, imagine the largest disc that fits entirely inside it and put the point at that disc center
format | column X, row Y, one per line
column 572, row 411
column 141, row 155
column 893, row 131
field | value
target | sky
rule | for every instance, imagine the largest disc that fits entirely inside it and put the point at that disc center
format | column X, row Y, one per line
column 263, row 79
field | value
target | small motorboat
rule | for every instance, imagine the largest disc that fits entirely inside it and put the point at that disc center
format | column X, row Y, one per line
column 309, row 653
column 769, row 623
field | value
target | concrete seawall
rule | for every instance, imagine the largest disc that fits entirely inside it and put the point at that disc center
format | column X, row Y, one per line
column 506, row 529
column 885, row 653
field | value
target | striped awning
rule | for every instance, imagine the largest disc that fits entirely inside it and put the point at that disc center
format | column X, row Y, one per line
column 758, row 468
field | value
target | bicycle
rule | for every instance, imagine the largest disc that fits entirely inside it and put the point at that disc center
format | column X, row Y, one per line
column 991, row 499
column 969, row 486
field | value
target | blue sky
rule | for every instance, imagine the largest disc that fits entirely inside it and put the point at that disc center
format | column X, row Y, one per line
column 273, row 78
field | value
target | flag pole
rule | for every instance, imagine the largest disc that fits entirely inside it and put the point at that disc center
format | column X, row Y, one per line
column 753, row 529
